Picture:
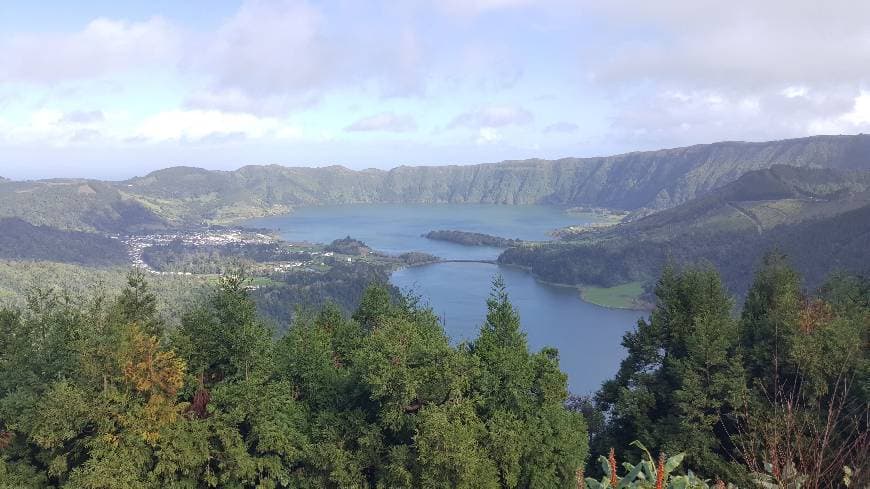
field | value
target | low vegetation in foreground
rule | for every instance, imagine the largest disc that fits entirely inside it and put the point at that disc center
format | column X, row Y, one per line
column 99, row 391
column 777, row 394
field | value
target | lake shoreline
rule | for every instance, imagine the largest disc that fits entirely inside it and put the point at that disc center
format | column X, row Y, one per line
column 636, row 305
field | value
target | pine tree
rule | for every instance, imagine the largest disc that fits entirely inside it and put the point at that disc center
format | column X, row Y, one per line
column 502, row 348
column 137, row 304
column 375, row 305
column 534, row 441
column 768, row 323
column 226, row 337
column 682, row 377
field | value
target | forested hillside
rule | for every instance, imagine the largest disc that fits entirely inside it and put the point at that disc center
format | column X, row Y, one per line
column 77, row 205
column 19, row 280
column 651, row 179
column 20, row 240
column 819, row 217
column 99, row 391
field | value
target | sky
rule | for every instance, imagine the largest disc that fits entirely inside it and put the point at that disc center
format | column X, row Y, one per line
column 107, row 89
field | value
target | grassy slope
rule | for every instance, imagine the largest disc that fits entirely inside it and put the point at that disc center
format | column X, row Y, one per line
column 83, row 205
column 625, row 296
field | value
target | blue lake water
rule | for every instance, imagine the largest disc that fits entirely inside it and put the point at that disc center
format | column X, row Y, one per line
column 587, row 336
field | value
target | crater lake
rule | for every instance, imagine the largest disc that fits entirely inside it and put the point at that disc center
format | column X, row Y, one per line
column 587, row 336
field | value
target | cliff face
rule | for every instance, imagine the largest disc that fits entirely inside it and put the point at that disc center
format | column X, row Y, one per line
column 645, row 180
column 653, row 179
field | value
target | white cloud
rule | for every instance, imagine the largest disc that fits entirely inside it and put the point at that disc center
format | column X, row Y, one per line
column 272, row 56
column 211, row 125
column 104, row 46
column 741, row 44
column 860, row 114
column 794, row 91
column 475, row 7
column 491, row 65
column 236, row 100
column 58, row 129
column 706, row 71
column 857, row 119
column 386, row 121
column 85, row 136
column 488, row 135
column 744, row 45
column 677, row 118
column 659, row 73
column 51, row 127
column 493, row 116
column 269, row 57
column 44, row 119
column 271, row 48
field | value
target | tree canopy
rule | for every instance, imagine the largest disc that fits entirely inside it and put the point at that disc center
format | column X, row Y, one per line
column 97, row 393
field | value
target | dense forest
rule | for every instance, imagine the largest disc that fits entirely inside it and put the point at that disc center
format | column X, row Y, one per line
column 20, row 240
column 342, row 285
column 77, row 205
column 99, row 391
column 175, row 294
column 818, row 247
column 276, row 294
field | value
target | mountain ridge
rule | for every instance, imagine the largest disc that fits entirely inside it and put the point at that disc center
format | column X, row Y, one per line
column 515, row 161
column 639, row 180
column 636, row 181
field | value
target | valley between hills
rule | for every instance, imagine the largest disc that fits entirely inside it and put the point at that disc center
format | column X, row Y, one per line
column 723, row 203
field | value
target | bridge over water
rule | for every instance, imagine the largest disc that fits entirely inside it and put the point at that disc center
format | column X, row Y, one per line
column 489, row 262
